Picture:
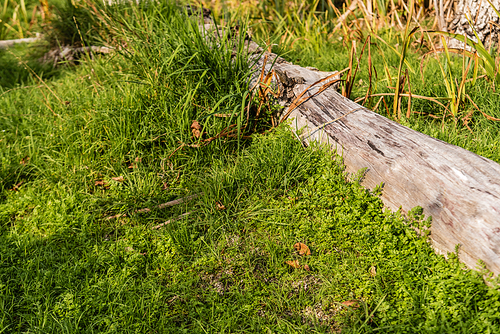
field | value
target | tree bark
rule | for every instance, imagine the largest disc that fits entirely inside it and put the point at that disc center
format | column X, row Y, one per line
column 459, row 189
column 479, row 13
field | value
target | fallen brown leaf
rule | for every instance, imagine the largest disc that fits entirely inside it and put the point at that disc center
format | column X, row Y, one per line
column 196, row 129
column 164, row 186
column 306, row 267
column 24, row 160
column 373, row 271
column 294, row 264
column 118, row 179
column 101, row 183
column 302, row 248
column 220, row 206
column 351, row 303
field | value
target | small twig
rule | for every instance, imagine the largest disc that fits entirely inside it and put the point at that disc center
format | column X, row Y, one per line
column 178, row 148
column 159, row 207
column 170, row 221
column 158, row 136
column 171, row 203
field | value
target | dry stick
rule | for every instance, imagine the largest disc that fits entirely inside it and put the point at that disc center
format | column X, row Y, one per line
column 170, row 221
column 161, row 206
column 178, row 148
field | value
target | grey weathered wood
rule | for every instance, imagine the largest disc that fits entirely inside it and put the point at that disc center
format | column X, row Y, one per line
column 10, row 42
column 459, row 189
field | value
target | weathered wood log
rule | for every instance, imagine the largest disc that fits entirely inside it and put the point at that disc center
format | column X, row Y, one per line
column 459, row 189
column 10, row 42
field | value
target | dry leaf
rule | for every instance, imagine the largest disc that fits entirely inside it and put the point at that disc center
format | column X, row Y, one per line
column 118, row 179
column 137, row 159
column 302, row 248
column 351, row 303
column 196, row 133
column 294, row 264
column 101, row 183
column 131, row 166
column 220, row 206
column 24, row 160
column 196, row 129
column 164, row 186
column 373, row 271
column 306, row 267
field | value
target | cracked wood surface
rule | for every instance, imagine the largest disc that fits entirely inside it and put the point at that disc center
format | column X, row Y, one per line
column 459, row 189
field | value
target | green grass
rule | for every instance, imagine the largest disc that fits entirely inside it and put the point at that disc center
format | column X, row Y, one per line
column 66, row 268
column 21, row 19
column 314, row 47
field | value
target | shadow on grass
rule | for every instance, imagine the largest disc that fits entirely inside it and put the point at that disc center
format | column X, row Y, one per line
column 18, row 65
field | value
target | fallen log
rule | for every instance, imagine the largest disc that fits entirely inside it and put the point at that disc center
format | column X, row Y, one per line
column 459, row 189
column 10, row 42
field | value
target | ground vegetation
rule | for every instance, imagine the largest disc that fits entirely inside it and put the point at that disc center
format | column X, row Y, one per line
column 271, row 236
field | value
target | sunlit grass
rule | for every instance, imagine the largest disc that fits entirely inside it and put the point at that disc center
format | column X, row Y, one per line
column 113, row 135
